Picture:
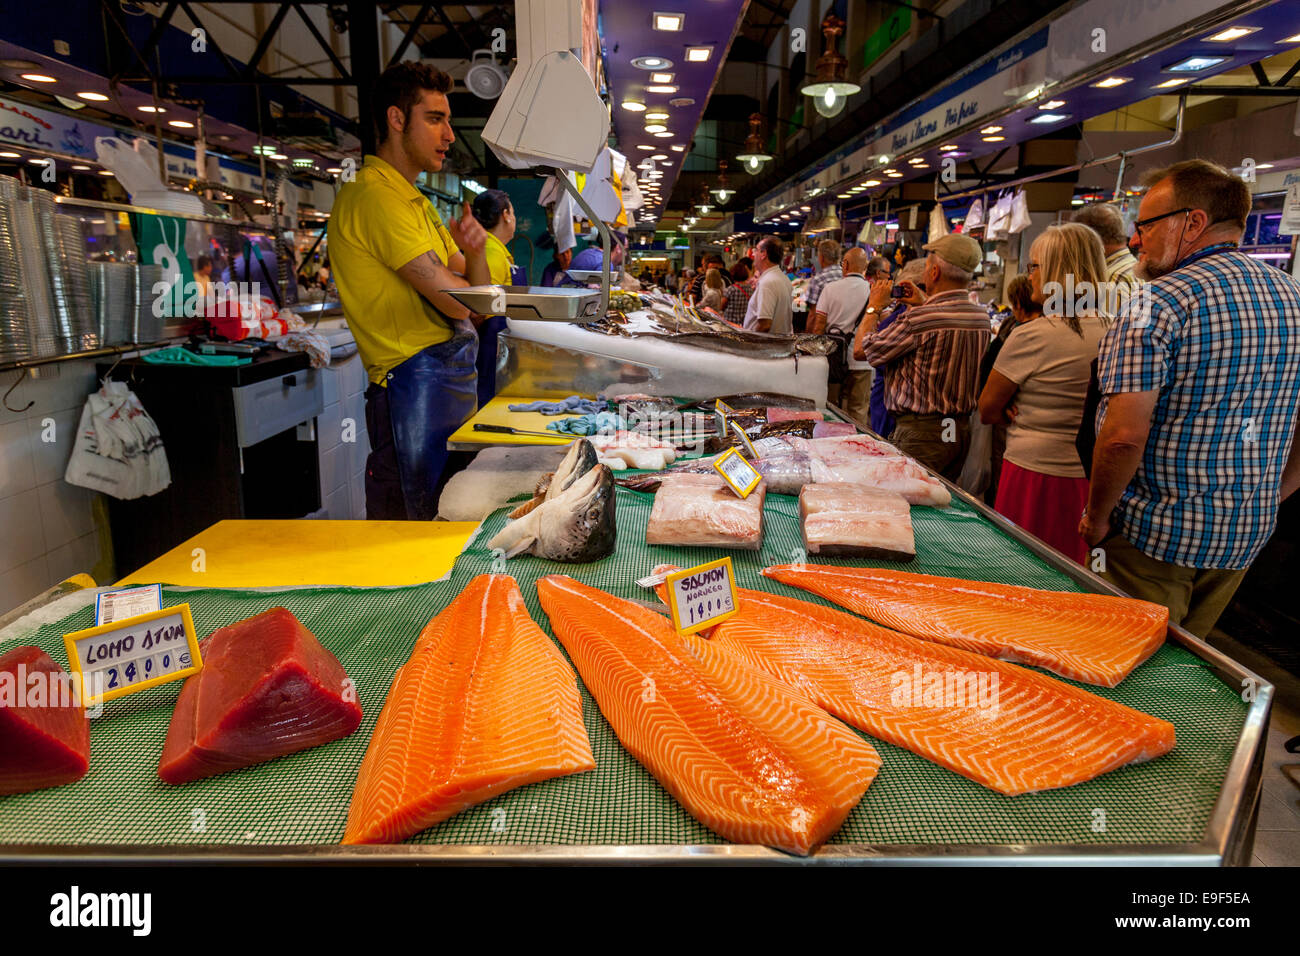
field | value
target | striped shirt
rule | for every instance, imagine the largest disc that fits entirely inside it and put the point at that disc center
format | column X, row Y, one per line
column 819, row 282
column 933, row 352
column 1220, row 343
column 1119, row 269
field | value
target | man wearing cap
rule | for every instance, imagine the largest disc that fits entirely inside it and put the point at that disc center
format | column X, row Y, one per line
column 592, row 259
column 933, row 351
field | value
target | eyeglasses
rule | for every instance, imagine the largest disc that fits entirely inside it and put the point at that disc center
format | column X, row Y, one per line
column 1141, row 224
column 1032, row 268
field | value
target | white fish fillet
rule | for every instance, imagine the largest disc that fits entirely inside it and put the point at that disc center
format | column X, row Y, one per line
column 700, row 510
column 856, row 520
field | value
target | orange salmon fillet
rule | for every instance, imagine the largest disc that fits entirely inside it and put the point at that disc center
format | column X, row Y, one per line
column 1011, row 729
column 485, row 704
column 1093, row 638
column 748, row 757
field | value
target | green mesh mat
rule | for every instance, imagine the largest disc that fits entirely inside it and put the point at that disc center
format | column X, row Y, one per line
column 303, row 798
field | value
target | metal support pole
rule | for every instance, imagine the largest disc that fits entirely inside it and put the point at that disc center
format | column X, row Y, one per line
column 605, row 241
column 363, row 31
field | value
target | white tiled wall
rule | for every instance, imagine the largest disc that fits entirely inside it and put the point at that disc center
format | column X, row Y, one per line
column 343, row 463
column 48, row 529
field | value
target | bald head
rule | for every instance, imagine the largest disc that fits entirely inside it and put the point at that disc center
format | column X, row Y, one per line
column 855, row 261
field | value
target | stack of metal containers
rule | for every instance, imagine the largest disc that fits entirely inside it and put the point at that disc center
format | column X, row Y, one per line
column 70, row 325
column 14, row 305
column 112, row 298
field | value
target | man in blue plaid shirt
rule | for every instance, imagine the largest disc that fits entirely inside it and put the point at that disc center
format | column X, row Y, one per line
column 1201, row 380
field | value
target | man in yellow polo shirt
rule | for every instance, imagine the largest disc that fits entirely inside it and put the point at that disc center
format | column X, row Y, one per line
column 394, row 261
column 496, row 214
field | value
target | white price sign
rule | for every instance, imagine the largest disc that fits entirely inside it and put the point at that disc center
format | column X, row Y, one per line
column 702, row 596
column 129, row 655
column 740, row 475
column 113, row 606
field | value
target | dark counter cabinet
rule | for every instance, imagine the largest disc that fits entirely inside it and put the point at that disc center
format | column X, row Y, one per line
column 240, row 443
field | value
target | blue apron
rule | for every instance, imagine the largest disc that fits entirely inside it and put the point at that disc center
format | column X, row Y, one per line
column 430, row 395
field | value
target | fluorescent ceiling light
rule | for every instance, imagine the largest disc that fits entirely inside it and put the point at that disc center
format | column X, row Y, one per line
column 1291, row 39
column 1050, row 118
column 947, row 148
column 994, row 139
column 1263, row 165
column 661, row 77
column 81, row 167
column 844, row 196
column 11, row 155
column 894, row 175
column 655, row 127
column 279, row 156
column 105, row 172
column 889, row 172
column 698, row 54
column 1051, row 105
column 806, row 208
column 1169, row 84
column 38, row 161
column 1230, row 34
column 661, row 89
column 671, row 22
column 39, row 78
column 93, row 97
column 871, row 182
column 990, row 129
column 334, row 169
column 659, row 155
column 1111, row 82
column 633, row 106
column 664, row 135
column 181, row 124
column 645, row 146
column 1194, row 64
column 152, row 109
column 655, row 116
column 677, row 149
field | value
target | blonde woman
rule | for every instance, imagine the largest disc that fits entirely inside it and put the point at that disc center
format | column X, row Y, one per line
column 713, row 289
column 1038, row 385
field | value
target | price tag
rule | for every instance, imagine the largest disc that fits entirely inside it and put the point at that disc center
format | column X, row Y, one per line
column 722, row 408
column 739, row 474
column 128, row 655
column 702, row 596
column 113, row 606
column 745, row 443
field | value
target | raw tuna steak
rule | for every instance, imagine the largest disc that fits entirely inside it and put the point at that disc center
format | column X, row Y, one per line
column 44, row 733
column 267, row 688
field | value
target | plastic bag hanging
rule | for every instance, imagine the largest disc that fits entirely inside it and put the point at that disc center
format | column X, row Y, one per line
column 118, row 449
column 938, row 223
column 975, row 215
column 1020, row 220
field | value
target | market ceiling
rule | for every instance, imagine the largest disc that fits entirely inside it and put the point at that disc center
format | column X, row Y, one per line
column 662, row 59
column 1231, row 44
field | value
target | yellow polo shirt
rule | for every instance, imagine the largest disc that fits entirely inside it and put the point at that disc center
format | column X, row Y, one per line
column 379, row 223
column 499, row 260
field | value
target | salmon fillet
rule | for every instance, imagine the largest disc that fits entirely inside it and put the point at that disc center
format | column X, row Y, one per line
column 751, row 759
column 1011, row 729
column 485, row 704
column 1093, row 638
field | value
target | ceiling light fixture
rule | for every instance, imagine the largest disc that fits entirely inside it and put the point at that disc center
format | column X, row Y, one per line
column 656, row 116
column 947, row 147
column 10, row 155
column 659, row 156
column 698, row 54
column 1051, row 105
column 677, row 149
column 1170, row 84
column 181, row 124
column 1291, row 39
column 655, row 127
column 1111, row 82
column 871, row 182
column 1230, row 34
column 633, row 106
column 645, row 146
column 1194, row 64
column 1049, row 118
column 93, row 97
column 152, row 109
column 844, row 196
column 661, row 77
column 38, row 78
column 754, row 154
column 661, row 89
column 830, row 88
column 994, row 139
column 990, row 129
column 81, row 168
column 651, row 63
column 666, row 134
column 670, row 22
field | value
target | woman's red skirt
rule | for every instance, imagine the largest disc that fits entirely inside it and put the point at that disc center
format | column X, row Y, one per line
column 1046, row 506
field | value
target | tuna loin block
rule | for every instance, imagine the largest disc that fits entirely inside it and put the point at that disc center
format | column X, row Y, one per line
column 44, row 733
column 268, row 688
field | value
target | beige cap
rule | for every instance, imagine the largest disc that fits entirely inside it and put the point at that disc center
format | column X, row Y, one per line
column 958, row 249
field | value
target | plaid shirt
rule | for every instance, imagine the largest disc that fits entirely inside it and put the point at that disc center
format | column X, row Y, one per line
column 819, row 282
column 737, row 294
column 1221, row 345
column 933, row 352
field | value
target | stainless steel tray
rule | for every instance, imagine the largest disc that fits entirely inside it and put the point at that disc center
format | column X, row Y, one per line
column 530, row 302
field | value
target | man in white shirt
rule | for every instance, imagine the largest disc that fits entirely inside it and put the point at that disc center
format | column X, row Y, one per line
column 838, row 309
column 771, row 306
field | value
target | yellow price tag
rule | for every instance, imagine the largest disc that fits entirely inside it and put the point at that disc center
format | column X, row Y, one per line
column 129, row 655
column 745, row 443
column 722, row 408
column 740, row 475
column 702, row 596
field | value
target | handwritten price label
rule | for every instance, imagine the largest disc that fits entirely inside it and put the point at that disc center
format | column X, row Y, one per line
column 702, row 596
column 740, row 475
column 129, row 655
